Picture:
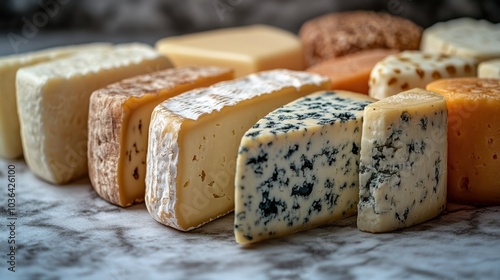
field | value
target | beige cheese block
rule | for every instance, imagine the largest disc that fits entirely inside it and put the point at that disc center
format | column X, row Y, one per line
column 53, row 105
column 412, row 69
column 246, row 49
column 194, row 139
column 10, row 136
column 119, row 119
column 468, row 37
column 489, row 69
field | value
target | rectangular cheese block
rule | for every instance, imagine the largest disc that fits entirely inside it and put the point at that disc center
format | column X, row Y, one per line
column 246, row 49
column 351, row 72
column 10, row 136
column 479, row 39
column 473, row 139
column 412, row 69
column 402, row 179
column 489, row 69
column 119, row 119
column 298, row 166
column 194, row 138
column 53, row 105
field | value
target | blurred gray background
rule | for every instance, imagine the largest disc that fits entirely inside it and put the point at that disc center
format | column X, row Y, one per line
column 34, row 24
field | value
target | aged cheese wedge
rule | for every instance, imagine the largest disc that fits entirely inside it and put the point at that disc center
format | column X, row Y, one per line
column 119, row 124
column 402, row 178
column 246, row 49
column 489, row 69
column 473, row 139
column 194, row 138
column 351, row 72
column 468, row 37
column 411, row 69
column 10, row 136
column 298, row 166
column 53, row 105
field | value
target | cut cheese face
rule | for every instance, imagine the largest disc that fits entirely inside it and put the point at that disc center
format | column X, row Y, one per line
column 473, row 139
column 194, row 138
column 402, row 179
column 10, row 135
column 489, row 69
column 298, row 166
column 411, row 69
column 467, row 37
column 246, row 49
column 119, row 119
column 53, row 104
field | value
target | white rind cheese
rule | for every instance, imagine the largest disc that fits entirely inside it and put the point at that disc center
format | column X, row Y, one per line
column 489, row 69
column 53, row 104
column 10, row 135
column 403, row 161
column 194, row 138
column 298, row 166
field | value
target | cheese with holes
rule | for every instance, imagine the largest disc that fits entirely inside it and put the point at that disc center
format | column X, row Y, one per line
column 10, row 136
column 468, row 37
column 402, row 179
column 489, row 69
column 53, row 104
column 246, row 49
column 473, row 139
column 194, row 138
column 297, row 167
column 119, row 119
column 411, row 69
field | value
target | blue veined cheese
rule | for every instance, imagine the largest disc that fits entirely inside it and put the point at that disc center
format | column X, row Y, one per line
column 403, row 161
column 194, row 138
column 298, row 166
column 53, row 105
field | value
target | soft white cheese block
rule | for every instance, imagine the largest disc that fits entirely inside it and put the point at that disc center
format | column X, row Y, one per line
column 489, row 69
column 298, row 166
column 194, row 138
column 10, row 136
column 403, row 171
column 53, row 105
column 479, row 39
column 411, row 69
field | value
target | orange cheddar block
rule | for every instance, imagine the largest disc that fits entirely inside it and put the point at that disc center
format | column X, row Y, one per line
column 351, row 72
column 473, row 138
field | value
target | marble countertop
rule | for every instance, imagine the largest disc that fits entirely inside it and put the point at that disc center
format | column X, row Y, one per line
column 68, row 232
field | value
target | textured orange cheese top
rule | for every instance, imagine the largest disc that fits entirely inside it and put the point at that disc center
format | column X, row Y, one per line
column 473, row 138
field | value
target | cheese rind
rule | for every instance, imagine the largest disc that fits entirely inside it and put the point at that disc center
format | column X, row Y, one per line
column 402, row 175
column 193, row 143
column 467, row 37
column 119, row 120
column 53, row 104
column 489, row 69
column 246, row 49
column 298, row 166
column 10, row 136
column 411, row 69
column 473, row 139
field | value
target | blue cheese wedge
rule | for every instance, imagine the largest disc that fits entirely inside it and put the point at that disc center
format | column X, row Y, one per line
column 403, row 161
column 194, row 138
column 53, row 105
column 298, row 166
column 10, row 135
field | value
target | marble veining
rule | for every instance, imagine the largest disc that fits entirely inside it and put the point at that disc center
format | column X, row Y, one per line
column 68, row 232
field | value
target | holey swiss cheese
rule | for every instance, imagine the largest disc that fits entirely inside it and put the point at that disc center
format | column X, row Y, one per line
column 194, row 138
column 119, row 124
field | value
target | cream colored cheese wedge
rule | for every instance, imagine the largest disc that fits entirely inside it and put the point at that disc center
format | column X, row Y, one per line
column 53, row 105
column 194, row 139
column 246, row 49
column 119, row 119
column 10, row 136
column 489, row 69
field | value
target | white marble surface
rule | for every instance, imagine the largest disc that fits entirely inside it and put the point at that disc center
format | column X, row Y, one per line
column 68, row 232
